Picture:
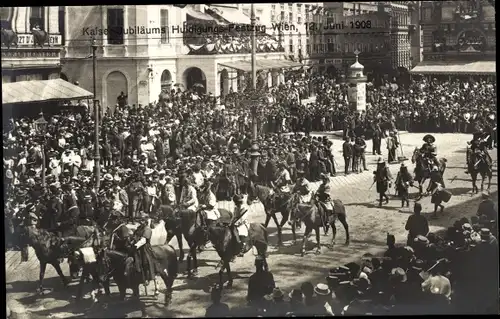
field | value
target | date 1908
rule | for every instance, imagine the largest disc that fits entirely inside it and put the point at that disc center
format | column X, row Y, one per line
column 359, row 24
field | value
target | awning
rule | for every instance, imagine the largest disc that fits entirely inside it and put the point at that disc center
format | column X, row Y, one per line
column 478, row 67
column 41, row 91
column 232, row 15
column 195, row 14
column 246, row 66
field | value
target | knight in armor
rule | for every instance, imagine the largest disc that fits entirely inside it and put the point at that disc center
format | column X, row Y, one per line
column 382, row 177
column 403, row 182
column 429, row 150
column 143, row 251
column 324, row 199
column 239, row 224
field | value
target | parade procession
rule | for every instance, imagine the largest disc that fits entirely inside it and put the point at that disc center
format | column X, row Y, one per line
column 182, row 174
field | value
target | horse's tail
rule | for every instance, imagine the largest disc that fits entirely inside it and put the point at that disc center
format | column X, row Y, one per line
column 173, row 263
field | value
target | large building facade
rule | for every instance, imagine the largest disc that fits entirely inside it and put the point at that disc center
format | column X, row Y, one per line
column 31, row 43
column 385, row 44
column 458, row 31
column 160, row 47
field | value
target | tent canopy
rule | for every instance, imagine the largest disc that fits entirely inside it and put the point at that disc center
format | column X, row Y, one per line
column 41, row 91
column 266, row 64
column 478, row 67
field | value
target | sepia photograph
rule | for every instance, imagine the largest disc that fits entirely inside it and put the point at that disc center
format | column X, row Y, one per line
column 250, row 159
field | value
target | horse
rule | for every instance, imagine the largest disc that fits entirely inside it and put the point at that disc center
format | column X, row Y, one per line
column 222, row 238
column 478, row 164
column 423, row 168
column 273, row 203
column 120, row 266
column 310, row 215
column 49, row 248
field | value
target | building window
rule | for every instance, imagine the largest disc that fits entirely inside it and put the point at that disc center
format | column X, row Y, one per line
column 273, row 6
column 308, row 46
column 37, row 18
column 299, row 20
column 272, row 17
column 290, row 7
column 330, row 44
column 282, row 16
column 290, row 45
column 290, row 18
column 115, row 26
column 282, row 6
column 6, row 18
column 164, row 24
column 330, row 19
column 259, row 12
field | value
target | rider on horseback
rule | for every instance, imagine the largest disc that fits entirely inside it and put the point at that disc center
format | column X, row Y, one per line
column 188, row 199
column 429, row 151
column 283, row 181
column 325, row 201
column 239, row 223
column 478, row 146
column 302, row 187
column 143, row 251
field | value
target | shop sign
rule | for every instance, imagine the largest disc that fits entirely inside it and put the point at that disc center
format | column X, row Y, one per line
column 27, row 39
column 29, row 54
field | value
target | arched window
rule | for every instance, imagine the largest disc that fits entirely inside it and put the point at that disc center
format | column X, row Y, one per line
column 166, row 81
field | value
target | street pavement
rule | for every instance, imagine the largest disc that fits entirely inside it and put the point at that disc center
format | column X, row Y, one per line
column 368, row 224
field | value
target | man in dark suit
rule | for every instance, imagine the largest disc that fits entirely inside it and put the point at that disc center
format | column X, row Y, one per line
column 347, row 153
column 377, row 140
column 260, row 284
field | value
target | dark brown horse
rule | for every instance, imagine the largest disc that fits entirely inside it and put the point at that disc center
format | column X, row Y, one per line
column 478, row 164
column 227, row 248
column 49, row 248
column 310, row 215
column 120, row 266
column 423, row 168
column 273, row 203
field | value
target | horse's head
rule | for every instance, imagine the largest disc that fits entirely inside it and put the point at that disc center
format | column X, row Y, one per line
column 415, row 155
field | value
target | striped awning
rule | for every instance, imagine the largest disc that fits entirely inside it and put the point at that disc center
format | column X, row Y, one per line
column 478, row 67
column 232, row 15
column 195, row 14
column 41, row 91
column 246, row 66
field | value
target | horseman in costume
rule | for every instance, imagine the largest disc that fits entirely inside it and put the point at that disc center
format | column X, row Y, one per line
column 283, row 181
column 209, row 208
column 143, row 251
column 478, row 147
column 302, row 187
column 382, row 177
column 239, row 223
column 188, row 199
column 403, row 181
column 325, row 201
column 429, row 150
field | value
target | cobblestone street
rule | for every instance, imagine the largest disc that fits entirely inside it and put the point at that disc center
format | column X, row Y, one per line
column 368, row 227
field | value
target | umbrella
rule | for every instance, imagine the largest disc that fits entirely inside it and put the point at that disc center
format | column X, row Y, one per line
column 198, row 85
column 429, row 136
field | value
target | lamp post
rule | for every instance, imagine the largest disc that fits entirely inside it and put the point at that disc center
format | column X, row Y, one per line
column 254, row 72
column 41, row 127
column 97, row 157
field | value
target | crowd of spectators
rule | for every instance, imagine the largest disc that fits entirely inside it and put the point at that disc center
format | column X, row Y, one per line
column 147, row 146
column 455, row 272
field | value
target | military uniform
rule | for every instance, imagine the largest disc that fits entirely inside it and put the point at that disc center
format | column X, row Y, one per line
column 302, row 186
column 240, row 225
